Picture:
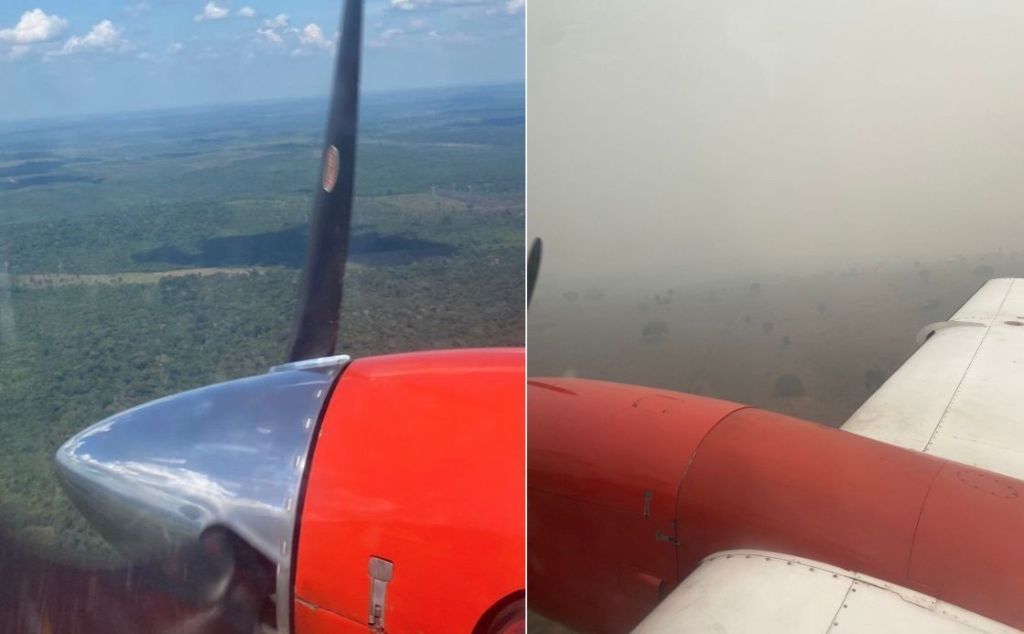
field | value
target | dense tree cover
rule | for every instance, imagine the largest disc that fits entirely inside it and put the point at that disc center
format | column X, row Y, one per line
column 250, row 232
column 409, row 142
column 79, row 353
column 430, row 270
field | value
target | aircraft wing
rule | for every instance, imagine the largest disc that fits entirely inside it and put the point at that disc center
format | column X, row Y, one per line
column 757, row 591
column 961, row 395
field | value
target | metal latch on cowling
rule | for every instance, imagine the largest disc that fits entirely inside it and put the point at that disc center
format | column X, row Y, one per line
column 380, row 575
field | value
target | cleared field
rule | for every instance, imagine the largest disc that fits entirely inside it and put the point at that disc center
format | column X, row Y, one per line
column 40, row 280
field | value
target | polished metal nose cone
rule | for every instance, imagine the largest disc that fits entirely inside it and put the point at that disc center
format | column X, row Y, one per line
column 152, row 479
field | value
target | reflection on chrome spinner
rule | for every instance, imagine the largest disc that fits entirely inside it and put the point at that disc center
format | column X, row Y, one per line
column 153, row 478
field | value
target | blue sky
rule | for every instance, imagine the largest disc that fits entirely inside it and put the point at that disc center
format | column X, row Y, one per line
column 68, row 57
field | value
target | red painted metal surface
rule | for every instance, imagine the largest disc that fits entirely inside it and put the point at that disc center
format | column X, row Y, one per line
column 767, row 481
column 969, row 549
column 605, row 463
column 419, row 461
column 747, row 478
column 313, row 620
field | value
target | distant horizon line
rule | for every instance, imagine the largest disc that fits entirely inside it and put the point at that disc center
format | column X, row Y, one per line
column 223, row 104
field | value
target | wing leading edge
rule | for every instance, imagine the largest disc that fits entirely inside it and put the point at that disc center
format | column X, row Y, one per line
column 756, row 591
column 961, row 395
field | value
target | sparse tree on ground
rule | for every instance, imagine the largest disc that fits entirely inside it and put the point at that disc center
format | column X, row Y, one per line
column 655, row 331
column 873, row 379
column 789, row 386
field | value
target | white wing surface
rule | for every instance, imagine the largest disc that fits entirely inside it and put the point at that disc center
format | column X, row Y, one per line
column 961, row 395
column 747, row 591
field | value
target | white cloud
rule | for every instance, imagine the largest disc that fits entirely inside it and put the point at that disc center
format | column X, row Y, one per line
column 175, row 47
column 312, row 36
column 513, row 7
column 270, row 35
column 102, row 36
column 34, row 26
column 457, row 37
column 387, row 37
column 278, row 22
column 489, row 6
column 300, row 41
column 211, row 12
column 245, row 12
column 297, row 42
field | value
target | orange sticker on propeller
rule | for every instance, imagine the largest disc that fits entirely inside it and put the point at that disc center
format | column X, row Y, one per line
column 331, row 161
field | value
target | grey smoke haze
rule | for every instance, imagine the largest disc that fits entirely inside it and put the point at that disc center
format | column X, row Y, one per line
column 695, row 139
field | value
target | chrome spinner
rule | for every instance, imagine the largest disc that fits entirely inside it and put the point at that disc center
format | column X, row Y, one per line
column 152, row 479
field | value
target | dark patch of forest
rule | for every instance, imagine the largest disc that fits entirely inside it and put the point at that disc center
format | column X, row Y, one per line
column 287, row 248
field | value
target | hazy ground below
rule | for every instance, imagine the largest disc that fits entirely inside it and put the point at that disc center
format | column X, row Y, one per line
column 841, row 333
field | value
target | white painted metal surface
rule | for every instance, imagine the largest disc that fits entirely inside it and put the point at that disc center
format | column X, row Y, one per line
column 961, row 395
column 755, row 591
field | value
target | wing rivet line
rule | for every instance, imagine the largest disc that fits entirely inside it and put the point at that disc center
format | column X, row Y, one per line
column 967, row 370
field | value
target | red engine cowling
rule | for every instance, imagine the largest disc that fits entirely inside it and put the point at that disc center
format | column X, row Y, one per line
column 630, row 487
column 323, row 495
column 413, row 513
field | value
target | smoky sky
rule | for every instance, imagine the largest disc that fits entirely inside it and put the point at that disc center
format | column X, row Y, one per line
column 691, row 139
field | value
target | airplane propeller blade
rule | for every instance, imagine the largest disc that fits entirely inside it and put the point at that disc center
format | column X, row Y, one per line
column 316, row 327
column 533, row 267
